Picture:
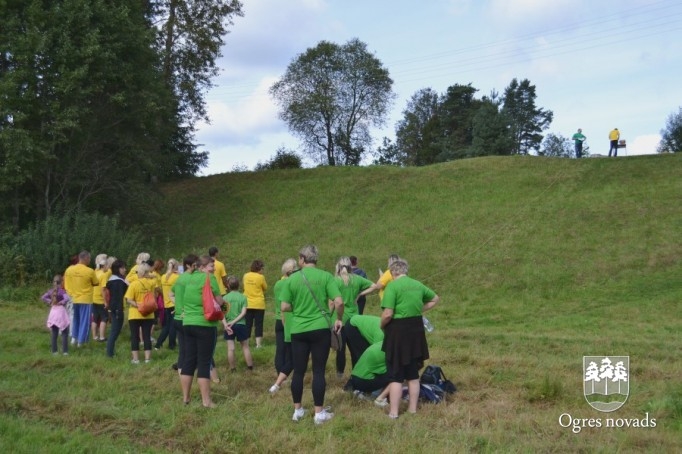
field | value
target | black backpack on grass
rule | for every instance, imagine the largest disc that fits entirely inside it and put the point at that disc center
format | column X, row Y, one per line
column 433, row 375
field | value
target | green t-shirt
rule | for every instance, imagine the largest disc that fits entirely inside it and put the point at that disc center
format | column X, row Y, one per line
column 369, row 326
column 178, row 290
column 194, row 307
column 307, row 315
column 406, row 296
column 350, row 292
column 277, row 290
column 371, row 363
column 578, row 138
column 237, row 302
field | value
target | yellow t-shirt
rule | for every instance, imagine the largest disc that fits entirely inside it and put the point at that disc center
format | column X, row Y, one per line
column 219, row 273
column 136, row 291
column 79, row 281
column 102, row 278
column 614, row 135
column 166, row 286
column 132, row 275
column 254, row 290
column 384, row 280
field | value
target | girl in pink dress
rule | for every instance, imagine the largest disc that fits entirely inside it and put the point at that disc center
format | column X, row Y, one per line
column 58, row 319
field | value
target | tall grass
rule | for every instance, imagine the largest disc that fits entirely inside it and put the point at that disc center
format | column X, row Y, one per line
column 538, row 262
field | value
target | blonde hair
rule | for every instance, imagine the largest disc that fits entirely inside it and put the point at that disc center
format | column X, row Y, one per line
column 171, row 267
column 343, row 268
column 393, row 258
column 309, row 253
column 110, row 261
column 288, row 267
column 100, row 261
column 142, row 257
column 143, row 269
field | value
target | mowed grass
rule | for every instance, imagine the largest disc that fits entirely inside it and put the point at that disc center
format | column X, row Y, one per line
column 538, row 262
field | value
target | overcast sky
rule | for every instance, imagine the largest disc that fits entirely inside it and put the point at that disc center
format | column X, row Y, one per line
column 597, row 64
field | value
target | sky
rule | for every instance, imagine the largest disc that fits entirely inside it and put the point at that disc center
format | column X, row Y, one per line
column 596, row 64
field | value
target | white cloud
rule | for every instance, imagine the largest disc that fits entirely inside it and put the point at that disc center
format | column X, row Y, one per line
column 643, row 145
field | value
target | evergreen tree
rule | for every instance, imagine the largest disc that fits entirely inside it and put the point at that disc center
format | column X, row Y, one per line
column 526, row 121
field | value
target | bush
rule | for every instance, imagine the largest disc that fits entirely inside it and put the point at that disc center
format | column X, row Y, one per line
column 45, row 249
column 283, row 159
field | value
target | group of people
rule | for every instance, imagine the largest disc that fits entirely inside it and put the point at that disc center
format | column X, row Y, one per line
column 614, row 138
column 385, row 351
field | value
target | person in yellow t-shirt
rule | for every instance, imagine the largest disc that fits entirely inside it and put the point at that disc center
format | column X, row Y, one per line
column 137, row 322
column 220, row 272
column 168, row 326
column 386, row 276
column 254, row 290
column 79, row 280
column 99, row 311
column 613, row 141
column 142, row 257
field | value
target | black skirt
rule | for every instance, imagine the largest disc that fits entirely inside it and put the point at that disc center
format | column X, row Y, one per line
column 405, row 342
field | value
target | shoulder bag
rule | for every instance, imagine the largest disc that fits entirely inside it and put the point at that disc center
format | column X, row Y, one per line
column 335, row 337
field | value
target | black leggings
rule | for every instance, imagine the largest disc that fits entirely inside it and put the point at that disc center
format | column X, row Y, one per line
column 379, row 382
column 304, row 345
column 135, row 325
column 65, row 339
column 199, row 345
column 256, row 315
column 283, row 361
column 356, row 343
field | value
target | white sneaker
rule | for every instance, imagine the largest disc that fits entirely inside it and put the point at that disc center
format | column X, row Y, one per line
column 381, row 403
column 298, row 414
column 134, row 361
column 359, row 395
column 273, row 389
column 323, row 417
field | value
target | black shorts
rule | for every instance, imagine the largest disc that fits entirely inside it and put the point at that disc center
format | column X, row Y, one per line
column 99, row 314
column 239, row 332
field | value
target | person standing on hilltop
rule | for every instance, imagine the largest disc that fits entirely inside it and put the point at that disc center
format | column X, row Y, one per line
column 578, row 139
column 613, row 140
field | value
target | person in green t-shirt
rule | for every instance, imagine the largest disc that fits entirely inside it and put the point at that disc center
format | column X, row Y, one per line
column 578, row 139
column 352, row 287
column 235, row 325
column 306, row 294
column 370, row 373
column 177, row 294
column 283, row 360
column 404, row 340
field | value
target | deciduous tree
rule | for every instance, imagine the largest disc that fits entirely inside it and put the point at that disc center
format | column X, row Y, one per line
column 671, row 136
column 330, row 96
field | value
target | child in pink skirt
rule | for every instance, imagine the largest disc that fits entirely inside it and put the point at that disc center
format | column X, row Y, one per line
column 58, row 319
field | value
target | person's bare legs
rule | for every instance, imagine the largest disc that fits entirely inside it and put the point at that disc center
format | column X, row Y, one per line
column 259, row 342
column 205, row 390
column 247, row 353
column 413, row 389
column 230, row 354
column 186, row 385
column 395, row 392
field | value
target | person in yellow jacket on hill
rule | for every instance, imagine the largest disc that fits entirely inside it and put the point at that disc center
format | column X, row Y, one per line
column 613, row 138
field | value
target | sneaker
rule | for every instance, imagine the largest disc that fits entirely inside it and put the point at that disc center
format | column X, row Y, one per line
column 65, row 353
column 73, row 341
column 298, row 414
column 147, row 361
column 392, row 416
column 323, row 417
column 135, row 361
column 273, row 389
column 381, row 403
column 359, row 395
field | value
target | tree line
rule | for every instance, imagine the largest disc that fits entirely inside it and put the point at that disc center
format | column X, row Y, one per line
column 100, row 99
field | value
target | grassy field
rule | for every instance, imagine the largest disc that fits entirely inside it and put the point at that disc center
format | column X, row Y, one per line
column 538, row 263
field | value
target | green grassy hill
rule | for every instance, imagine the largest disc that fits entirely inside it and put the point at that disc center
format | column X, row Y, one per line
column 538, row 263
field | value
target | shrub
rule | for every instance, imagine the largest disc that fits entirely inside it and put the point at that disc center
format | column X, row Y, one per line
column 283, row 159
column 45, row 248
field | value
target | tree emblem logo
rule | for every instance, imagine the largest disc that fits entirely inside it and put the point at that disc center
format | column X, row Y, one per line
column 606, row 381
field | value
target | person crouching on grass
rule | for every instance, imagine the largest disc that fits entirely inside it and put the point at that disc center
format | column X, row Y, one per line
column 404, row 339
column 235, row 325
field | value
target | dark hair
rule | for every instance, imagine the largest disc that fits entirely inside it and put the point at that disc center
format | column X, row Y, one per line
column 232, row 283
column 257, row 265
column 190, row 260
column 353, row 260
column 116, row 267
column 212, row 251
column 150, row 262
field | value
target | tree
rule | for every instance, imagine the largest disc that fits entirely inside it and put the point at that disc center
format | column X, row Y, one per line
column 418, row 132
column 526, row 120
column 456, row 113
column 555, row 145
column 330, row 96
column 490, row 129
column 388, row 154
column 189, row 35
column 671, row 136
